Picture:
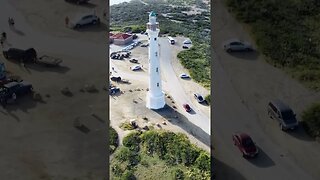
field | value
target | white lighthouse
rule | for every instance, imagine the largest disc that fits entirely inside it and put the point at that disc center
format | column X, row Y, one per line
column 155, row 96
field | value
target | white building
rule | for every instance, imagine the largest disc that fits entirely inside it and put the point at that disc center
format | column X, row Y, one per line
column 155, row 95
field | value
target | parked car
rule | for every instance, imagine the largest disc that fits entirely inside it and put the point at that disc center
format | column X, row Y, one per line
column 199, row 98
column 144, row 45
column 136, row 68
column 186, row 107
column 237, row 45
column 77, row 1
column 245, row 144
column 28, row 55
column 283, row 114
column 115, row 78
column 187, row 41
column 133, row 60
column 114, row 90
column 88, row 19
column 12, row 90
column 184, row 76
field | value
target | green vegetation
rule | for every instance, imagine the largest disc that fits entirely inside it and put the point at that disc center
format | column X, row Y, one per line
column 173, row 22
column 126, row 126
column 311, row 120
column 208, row 98
column 287, row 32
column 114, row 139
column 159, row 155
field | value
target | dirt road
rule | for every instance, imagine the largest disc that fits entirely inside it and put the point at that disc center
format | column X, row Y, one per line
column 246, row 84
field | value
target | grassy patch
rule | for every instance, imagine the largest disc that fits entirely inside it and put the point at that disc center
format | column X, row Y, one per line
column 287, row 32
column 160, row 155
column 114, row 140
column 126, row 126
column 311, row 120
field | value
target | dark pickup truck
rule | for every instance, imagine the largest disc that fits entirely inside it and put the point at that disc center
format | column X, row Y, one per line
column 30, row 56
column 12, row 90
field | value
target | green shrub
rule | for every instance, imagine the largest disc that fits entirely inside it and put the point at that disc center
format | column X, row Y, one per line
column 178, row 174
column 132, row 141
column 311, row 120
column 203, row 162
column 113, row 139
column 208, row 99
column 126, row 126
column 128, row 175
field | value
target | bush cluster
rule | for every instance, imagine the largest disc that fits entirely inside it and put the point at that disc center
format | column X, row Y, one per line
column 114, row 140
column 174, row 149
column 311, row 120
column 287, row 32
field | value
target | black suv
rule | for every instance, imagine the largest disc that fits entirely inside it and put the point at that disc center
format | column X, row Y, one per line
column 77, row 1
column 283, row 114
column 14, row 89
column 28, row 55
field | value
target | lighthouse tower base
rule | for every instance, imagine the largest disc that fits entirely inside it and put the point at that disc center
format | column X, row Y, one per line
column 155, row 102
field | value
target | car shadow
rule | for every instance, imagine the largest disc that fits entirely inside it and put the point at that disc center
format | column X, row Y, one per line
column 262, row 160
column 102, row 27
column 251, row 55
column 42, row 68
column 192, row 112
column 220, row 170
column 300, row 133
column 180, row 120
column 23, row 103
column 88, row 4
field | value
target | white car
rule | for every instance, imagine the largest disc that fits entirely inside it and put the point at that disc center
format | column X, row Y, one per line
column 85, row 20
column 187, row 41
column 184, row 76
column 135, row 68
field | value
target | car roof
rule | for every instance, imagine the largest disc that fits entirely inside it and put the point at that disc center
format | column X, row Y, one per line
column 280, row 105
column 11, row 84
column 243, row 135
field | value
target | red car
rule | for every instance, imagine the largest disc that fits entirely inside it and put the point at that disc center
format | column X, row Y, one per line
column 187, row 107
column 245, row 144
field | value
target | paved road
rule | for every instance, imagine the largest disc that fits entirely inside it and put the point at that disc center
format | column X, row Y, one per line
column 243, row 85
column 172, row 85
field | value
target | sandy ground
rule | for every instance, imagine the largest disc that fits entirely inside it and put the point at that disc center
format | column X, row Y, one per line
column 137, row 110
column 39, row 140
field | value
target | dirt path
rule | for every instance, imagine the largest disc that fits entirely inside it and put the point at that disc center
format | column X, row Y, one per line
column 255, row 83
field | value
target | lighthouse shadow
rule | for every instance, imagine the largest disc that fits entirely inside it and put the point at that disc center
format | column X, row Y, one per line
column 180, row 120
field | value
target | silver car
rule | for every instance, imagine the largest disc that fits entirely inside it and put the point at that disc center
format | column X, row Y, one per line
column 85, row 20
column 237, row 45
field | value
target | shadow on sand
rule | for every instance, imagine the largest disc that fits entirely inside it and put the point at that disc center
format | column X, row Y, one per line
column 252, row 55
column 180, row 120
column 262, row 160
column 23, row 103
column 17, row 31
column 220, row 170
column 88, row 4
column 300, row 133
column 102, row 27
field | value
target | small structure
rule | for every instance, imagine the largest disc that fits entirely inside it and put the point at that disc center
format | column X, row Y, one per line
column 121, row 38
